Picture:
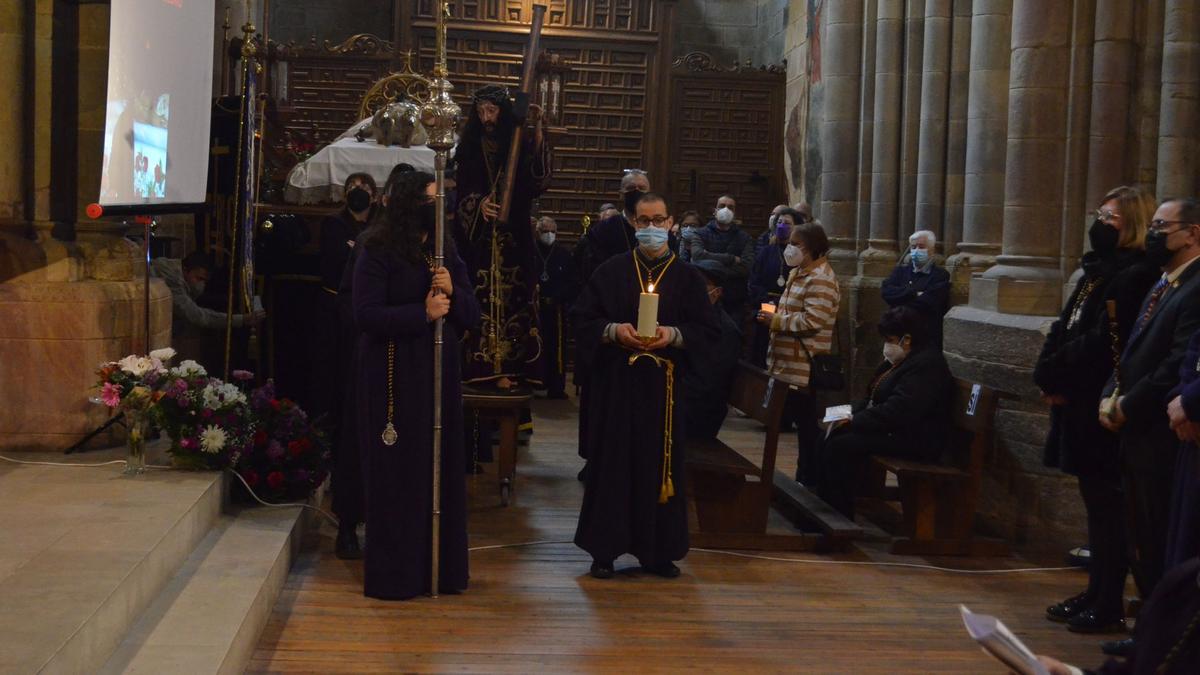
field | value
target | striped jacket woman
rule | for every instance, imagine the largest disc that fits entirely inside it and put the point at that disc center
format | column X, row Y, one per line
column 804, row 319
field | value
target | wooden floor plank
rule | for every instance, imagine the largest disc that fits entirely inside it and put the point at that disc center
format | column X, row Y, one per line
column 536, row 609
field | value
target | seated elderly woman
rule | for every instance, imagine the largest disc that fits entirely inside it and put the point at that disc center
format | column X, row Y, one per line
column 904, row 415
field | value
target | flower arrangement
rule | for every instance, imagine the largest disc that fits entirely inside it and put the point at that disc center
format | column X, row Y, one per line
column 212, row 424
column 289, row 456
column 208, row 420
column 134, row 386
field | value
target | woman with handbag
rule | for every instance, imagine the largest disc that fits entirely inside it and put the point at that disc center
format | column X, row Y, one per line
column 398, row 296
column 802, row 328
column 904, row 415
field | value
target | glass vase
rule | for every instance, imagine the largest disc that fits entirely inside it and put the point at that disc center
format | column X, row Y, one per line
column 135, row 458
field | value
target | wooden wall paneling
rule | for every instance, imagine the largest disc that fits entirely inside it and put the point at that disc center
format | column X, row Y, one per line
column 726, row 136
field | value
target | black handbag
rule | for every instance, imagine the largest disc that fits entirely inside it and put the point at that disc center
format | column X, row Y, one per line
column 825, row 371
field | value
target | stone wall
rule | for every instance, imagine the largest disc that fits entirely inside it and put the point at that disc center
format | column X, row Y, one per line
column 733, row 30
column 70, row 292
column 301, row 20
column 997, row 124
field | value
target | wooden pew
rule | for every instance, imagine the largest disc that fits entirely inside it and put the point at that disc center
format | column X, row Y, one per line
column 733, row 496
column 938, row 501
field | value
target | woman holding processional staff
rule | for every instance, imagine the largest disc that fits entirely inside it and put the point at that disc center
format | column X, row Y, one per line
column 397, row 299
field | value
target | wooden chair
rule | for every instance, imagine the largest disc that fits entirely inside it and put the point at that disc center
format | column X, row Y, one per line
column 506, row 411
column 938, row 501
column 731, row 494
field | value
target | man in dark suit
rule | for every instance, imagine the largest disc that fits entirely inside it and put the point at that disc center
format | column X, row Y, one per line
column 1149, row 369
column 918, row 283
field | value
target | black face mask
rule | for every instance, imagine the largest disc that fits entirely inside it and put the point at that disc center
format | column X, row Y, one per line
column 427, row 216
column 631, row 200
column 1103, row 237
column 358, row 200
column 1157, row 253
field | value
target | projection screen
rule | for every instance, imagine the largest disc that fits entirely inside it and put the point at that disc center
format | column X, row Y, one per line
column 156, row 125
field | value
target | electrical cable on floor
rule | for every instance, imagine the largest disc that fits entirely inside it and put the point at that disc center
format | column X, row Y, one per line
column 323, row 512
column 327, row 515
column 25, row 461
column 330, row 517
column 809, row 561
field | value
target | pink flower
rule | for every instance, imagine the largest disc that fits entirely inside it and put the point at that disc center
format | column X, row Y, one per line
column 110, row 394
column 243, row 375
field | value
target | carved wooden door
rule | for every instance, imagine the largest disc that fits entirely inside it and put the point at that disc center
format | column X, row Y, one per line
column 726, row 137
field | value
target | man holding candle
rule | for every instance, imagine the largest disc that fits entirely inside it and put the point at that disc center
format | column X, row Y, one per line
column 632, row 421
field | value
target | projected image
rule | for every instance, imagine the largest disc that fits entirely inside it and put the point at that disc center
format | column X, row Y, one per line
column 156, row 133
column 135, row 149
column 150, row 153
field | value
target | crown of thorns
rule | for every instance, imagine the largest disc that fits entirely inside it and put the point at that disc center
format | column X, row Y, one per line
column 492, row 93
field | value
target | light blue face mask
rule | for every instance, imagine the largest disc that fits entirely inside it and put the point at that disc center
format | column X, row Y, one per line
column 651, row 237
column 919, row 257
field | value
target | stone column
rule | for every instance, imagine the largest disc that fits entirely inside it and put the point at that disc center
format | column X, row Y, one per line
column 910, row 135
column 1073, row 220
column 880, row 255
column 1149, row 65
column 1026, row 278
column 956, row 137
column 935, row 90
column 12, row 116
column 841, row 65
column 1178, row 118
column 866, row 127
column 987, row 127
column 1112, row 94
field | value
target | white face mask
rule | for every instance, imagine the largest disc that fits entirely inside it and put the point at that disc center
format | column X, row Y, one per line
column 793, row 255
column 893, row 352
column 724, row 215
column 546, row 238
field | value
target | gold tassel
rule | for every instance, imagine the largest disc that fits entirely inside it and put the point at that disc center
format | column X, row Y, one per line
column 666, row 488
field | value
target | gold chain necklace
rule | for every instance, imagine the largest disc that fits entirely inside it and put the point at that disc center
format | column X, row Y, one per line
column 389, row 435
column 650, row 279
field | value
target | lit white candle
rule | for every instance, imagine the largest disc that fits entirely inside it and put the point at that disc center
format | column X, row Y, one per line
column 647, row 325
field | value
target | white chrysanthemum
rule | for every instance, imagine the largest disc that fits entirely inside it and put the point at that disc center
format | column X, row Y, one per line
column 136, row 365
column 189, row 367
column 163, row 355
column 217, row 394
column 212, row 439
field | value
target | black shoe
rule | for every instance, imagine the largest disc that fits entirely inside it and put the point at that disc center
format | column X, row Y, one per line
column 1118, row 647
column 602, row 570
column 666, row 570
column 1080, row 556
column 1089, row 621
column 1063, row 611
column 346, row 547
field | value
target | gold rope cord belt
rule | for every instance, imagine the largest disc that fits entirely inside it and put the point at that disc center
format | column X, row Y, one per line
column 667, row 487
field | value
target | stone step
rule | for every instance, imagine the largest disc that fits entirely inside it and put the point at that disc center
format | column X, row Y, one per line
column 209, row 616
column 83, row 552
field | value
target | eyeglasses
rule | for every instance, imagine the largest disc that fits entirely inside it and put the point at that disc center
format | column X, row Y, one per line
column 1106, row 215
column 656, row 221
column 1158, row 224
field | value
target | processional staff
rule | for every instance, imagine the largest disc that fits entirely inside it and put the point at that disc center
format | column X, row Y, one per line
column 439, row 117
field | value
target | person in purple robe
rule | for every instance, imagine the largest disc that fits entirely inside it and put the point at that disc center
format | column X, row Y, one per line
column 500, row 255
column 397, row 298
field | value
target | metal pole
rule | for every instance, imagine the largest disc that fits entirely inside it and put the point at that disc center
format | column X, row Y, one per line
column 439, row 117
column 146, row 285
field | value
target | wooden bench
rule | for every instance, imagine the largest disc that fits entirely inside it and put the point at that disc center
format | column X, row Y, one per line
column 733, row 496
column 938, row 501
column 505, row 409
